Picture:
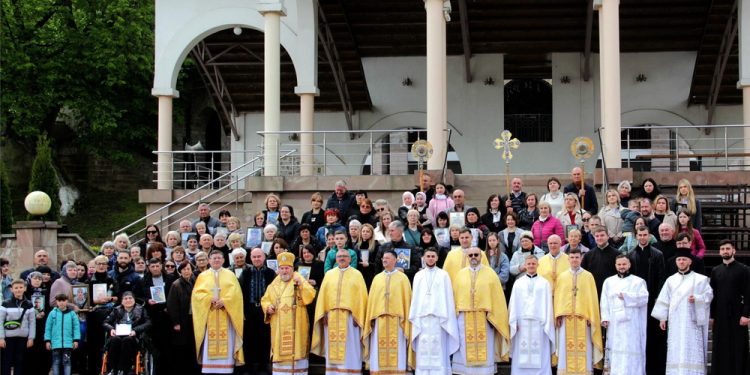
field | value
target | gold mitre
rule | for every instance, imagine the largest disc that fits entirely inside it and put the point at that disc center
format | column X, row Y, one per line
column 286, row 259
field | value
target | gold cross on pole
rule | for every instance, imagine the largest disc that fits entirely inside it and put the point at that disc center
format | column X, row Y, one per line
column 506, row 143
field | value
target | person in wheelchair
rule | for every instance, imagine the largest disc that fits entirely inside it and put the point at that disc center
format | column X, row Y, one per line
column 126, row 325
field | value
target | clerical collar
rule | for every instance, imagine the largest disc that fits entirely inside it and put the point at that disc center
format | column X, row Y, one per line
column 531, row 276
column 623, row 275
column 390, row 272
column 344, row 269
column 430, row 268
column 576, row 270
column 555, row 256
column 684, row 273
column 475, row 269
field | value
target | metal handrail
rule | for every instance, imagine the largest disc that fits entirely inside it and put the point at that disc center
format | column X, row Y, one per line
column 170, row 204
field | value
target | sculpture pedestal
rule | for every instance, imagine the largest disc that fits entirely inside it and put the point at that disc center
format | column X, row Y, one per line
column 32, row 236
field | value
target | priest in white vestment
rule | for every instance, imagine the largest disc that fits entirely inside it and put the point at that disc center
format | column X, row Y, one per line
column 532, row 327
column 624, row 311
column 434, row 328
column 685, row 302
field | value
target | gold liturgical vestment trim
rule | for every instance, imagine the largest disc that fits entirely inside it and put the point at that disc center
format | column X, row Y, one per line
column 337, row 330
column 218, row 328
column 476, row 337
column 575, row 345
column 286, row 319
column 387, row 342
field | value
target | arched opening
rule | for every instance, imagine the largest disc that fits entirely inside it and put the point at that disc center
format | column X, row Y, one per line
column 391, row 154
column 528, row 109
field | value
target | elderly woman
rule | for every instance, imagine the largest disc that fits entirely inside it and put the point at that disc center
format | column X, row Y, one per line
column 64, row 285
column 269, row 232
column 545, row 226
column 108, row 250
column 122, row 243
column 623, row 189
column 171, row 240
column 201, row 263
column 234, row 225
column 122, row 349
column 178, row 308
column 517, row 265
column 571, row 214
column 407, row 203
column 574, row 242
column 238, row 256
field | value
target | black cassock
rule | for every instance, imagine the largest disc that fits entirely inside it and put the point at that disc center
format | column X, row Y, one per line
column 649, row 265
column 257, row 335
column 731, row 285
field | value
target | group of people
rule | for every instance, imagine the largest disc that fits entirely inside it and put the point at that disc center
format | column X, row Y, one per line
column 432, row 286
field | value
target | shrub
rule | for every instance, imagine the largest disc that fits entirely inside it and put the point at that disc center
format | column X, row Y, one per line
column 44, row 177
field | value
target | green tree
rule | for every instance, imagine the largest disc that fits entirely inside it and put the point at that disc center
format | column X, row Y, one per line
column 87, row 63
column 6, row 204
column 44, row 178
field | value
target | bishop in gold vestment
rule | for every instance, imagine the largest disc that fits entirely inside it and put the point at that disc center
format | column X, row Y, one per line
column 579, row 346
column 339, row 318
column 284, row 305
column 387, row 331
column 217, row 318
column 484, row 334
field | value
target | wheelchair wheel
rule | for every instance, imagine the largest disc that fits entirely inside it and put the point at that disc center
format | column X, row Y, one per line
column 147, row 363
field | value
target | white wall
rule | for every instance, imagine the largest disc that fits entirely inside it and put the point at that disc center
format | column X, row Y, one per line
column 475, row 111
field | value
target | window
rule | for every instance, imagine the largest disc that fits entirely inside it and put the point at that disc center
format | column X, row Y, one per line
column 528, row 109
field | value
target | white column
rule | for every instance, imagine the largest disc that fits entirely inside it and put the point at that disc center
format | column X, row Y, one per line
column 307, row 125
column 609, row 68
column 164, row 144
column 744, row 83
column 272, row 12
column 436, row 85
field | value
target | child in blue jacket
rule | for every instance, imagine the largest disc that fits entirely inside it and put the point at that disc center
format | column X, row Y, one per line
column 62, row 334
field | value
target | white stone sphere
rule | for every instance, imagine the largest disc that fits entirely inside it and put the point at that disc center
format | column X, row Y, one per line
column 37, row 203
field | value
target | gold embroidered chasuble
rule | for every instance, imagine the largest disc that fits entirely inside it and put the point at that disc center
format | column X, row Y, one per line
column 458, row 260
column 388, row 304
column 551, row 268
column 343, row 293
column 222, row 284
column 289, row 323
column 576, row 301
column 479, row 295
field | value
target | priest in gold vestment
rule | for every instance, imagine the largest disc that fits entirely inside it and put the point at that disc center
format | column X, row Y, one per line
column 484, row 334
column 339, row 318
column 458, row 258
column 284, row 305
column 387, row 331
column 554, row 263
column 216, row 303
column 579, row 346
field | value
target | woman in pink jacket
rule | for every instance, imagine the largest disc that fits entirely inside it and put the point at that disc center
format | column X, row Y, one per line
column 685, row 224
column 546, row 226
column 439, row 202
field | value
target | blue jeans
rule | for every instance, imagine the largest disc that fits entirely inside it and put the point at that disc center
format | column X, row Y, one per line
column 61, row 357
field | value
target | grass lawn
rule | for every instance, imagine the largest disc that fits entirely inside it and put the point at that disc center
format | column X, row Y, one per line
column 99, row 213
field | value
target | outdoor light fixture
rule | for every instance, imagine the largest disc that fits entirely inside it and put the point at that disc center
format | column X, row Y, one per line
column 406, row 82
column 641, row 78
column 237, row 30
column 564, row 80
column 489, row 81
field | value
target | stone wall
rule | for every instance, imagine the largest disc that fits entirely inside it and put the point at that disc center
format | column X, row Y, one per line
column 69, row 247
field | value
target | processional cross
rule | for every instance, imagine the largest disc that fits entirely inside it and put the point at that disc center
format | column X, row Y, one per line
column 506, row 143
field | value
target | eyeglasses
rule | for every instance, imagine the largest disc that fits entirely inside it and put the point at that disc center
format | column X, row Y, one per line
column 473, row 255
column 381, row 209
column 585, row 220
column 169, row 266
column 101, row 263
column 151, row 232
column 365, row 206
